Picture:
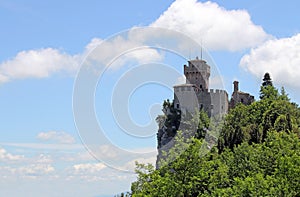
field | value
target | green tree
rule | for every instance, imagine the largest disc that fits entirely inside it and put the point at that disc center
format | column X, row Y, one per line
column 267, row 90
column 234, row 131
column 267, row 81
column 258, row 153
column 270, row 168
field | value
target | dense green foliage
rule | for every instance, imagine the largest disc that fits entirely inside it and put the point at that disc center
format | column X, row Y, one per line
column 270, row 168
column 258, row 154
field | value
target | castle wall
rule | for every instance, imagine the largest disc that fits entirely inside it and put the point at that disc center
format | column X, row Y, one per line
column 219, row 102
column 214, row 102
column 204, row 100
column 185, row 98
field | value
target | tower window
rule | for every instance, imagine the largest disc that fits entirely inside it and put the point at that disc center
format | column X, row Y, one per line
column 177, row 105
column 242, row 100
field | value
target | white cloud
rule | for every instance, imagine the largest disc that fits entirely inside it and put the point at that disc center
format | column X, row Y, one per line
column 95, row 172
column 26, row 171
column 88, row 168
column 45, row 159
column 37, row 64
column 53, row 146
column 130, row 166
column 90, row 172
column 48, row 168
column 56, row 136
column 118, row 51
column 216, row 27
column 279, row 57
column 45, row 62
column 81, row 156
column 8, row 157
column 36, row 169
column 92, row 45
column 144, row 55
column 181, row 80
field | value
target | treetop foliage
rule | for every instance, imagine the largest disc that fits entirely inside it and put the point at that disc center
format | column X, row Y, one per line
column 267, row 81
column 257, row 154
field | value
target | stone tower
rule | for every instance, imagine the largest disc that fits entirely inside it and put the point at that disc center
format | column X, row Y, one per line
column 195, row 93
column 239, row 96
column 197, row 72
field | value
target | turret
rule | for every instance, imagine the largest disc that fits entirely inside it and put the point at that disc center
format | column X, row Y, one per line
column 235, row 86
column 197, row 72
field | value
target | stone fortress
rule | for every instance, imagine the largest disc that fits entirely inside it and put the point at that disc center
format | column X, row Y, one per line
column 195, row 93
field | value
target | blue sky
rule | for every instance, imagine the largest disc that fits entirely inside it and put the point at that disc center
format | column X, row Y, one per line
column 44, row 43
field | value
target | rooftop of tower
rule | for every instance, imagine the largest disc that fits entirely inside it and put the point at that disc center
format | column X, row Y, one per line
column 197, row 65
column 197, row 60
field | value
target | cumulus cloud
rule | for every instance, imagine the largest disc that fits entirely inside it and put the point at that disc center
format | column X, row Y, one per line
column 130, row 166
column 181, row 80
column 45, row 62
column 279, row 57
column 44, row 146
column 90, row 172
column 96, row 172
column 45, row 159
column 87, row 168
column 26, row 171
column 36, row 169
column 56, row 136
column 120, row 50
column 82, row 156
column 37, row 64
column 214, row 26
column 8, row 157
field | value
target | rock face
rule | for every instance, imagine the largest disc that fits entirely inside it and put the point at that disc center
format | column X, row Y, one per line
column 164, row 137
column 168, row 126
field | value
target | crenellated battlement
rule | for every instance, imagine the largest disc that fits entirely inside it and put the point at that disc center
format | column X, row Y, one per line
column 197, row 66
column 217, row 91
